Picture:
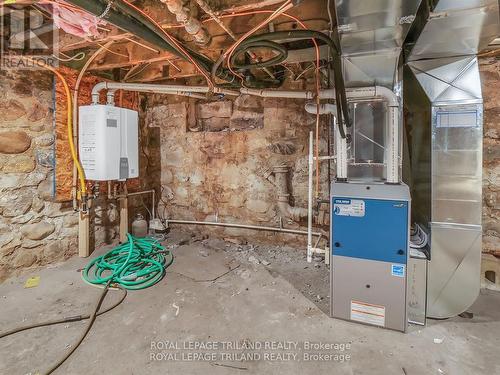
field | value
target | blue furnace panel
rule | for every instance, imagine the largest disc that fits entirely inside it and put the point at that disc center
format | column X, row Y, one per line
column 370, row 229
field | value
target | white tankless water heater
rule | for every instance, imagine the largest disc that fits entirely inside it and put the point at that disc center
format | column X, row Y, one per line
column 108, row 142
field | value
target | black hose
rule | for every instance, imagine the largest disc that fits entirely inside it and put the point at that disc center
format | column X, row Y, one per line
column 340, row 94
column 243, row 48
column 341, row 97
column 92, row 316
column 66, row 319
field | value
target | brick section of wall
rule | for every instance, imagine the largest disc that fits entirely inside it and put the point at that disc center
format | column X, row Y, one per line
column 63, row 168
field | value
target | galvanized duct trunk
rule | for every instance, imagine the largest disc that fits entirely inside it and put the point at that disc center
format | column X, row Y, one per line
column 438, row 40
column 371, row 35
column 445, row 117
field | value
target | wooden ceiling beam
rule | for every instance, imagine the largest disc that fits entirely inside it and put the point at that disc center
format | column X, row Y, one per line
column 86, row 43
column 245, row 7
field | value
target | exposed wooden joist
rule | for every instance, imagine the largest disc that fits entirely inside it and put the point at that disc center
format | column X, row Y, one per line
column 85, row 43
column 134, row 61
column 246, row 7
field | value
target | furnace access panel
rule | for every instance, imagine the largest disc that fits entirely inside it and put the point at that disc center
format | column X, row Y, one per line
column 370, row 229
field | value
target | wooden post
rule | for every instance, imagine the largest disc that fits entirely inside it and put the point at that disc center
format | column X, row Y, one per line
column 124, row 215
column 83, row 234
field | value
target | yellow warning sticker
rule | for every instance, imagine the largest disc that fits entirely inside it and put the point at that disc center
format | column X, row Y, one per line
column 32, row 282
column 368, row 313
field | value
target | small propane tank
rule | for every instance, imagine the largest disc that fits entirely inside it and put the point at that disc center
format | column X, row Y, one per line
column 139, row 226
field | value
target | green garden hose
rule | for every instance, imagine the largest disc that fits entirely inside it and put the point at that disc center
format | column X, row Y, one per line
column 136, row 264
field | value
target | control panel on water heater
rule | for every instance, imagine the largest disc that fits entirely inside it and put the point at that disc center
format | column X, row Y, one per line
column 108, row 142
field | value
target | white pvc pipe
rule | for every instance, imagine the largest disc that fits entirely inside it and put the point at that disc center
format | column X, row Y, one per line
column 340, row 152
column 310, row 199
column 278, row 93
column 242, row 226
column 158, row 89
column 352, row 93
column 326, row 108
column 392, row 148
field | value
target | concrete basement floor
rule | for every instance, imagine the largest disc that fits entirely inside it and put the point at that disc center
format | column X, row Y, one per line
column 285, row 300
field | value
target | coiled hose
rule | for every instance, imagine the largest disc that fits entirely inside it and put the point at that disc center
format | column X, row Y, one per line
column 136, row 264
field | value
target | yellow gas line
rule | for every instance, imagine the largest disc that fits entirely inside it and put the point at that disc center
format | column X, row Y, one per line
column 74, row 155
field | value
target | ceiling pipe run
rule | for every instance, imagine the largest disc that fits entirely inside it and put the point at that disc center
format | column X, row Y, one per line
column 352, row 93
column 156, row 89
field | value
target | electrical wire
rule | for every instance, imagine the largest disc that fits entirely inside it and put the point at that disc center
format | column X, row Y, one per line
column 111, row 51
column 419, row 239
column 76, row 57
column 135, row 71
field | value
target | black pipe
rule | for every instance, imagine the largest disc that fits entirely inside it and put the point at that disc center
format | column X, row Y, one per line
column 340, row 94
column 281, row 54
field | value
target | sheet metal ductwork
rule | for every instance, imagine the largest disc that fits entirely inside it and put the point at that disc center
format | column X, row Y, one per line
column 444, row 103
column 425, row 51
column 372, row 34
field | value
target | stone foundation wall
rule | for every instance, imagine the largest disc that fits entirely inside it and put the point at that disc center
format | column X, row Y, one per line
column 211, row 161
column 490, row 75
column 217, row 160
column 34, row 228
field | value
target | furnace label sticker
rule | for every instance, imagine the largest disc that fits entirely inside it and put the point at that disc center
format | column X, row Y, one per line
column 368, row 313
column 349, row 207
column 398, row 270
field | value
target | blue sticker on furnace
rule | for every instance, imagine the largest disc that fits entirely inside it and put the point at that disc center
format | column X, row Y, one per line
column 398, row 270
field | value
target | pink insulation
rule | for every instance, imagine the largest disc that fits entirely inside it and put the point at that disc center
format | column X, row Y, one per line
column 74, row 22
